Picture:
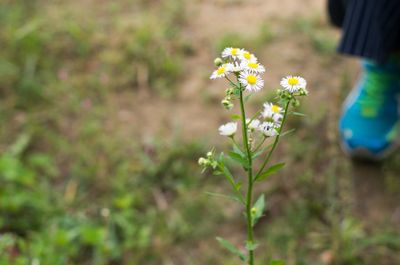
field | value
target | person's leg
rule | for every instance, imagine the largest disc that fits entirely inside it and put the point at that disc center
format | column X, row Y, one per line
column 369, row 120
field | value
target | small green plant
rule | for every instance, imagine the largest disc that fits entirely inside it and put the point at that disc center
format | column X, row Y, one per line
column 256, row 133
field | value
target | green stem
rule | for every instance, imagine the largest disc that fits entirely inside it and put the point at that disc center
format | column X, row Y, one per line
column 232, row 83
column 249, row 197
column 236, row 145
column 275, row 142
column 255, row 116
column 260, row 144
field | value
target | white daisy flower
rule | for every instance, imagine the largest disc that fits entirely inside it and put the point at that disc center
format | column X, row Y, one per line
column 222, row 71
column 247, row 56
column 268, row 128
column 252, row 66
column 231, row 52
column 293, row 83
column 272, row 112
column 251, row 81
column 228, row 129
column 252, row 124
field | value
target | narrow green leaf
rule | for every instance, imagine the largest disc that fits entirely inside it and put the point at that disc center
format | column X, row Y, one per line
column 231, row 248
column 236, row 91
column 246, row 98
column 270, row 171
column 288, row 132
column 238, row 186
column 276, row 262
column 228, row 175
column 235, row 117
column 258, row 153
column 221, row 158
column 236, row 154
column 298, row 114
column 238, row 158
column 257, row 210
column 237, row 150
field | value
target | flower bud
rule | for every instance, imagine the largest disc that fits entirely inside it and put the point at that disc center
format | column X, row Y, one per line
column 202, row 161
column 218, row 62
column 227, row 103
column 295, row 103
column 229, row 91
column 283, row 94
column 303, row 92
column 253, row 211
column 209, row 154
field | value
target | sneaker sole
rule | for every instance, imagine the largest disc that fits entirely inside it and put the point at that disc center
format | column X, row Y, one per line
column 361, row 153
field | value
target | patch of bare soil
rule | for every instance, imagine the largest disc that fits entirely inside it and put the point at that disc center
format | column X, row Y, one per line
column 190, row 111
column 373, row 199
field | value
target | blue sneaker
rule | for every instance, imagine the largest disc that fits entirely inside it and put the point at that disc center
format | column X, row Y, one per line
column 369, row 122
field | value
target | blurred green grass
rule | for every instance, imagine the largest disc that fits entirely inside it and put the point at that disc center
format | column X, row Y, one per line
column 71, row 193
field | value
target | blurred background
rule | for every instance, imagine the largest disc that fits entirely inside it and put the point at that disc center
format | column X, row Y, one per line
column 105, row 107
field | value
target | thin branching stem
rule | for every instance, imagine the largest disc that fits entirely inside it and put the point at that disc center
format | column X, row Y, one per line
column 276, row 140
column 260, row 144
column 249, row 197
column 254, row 116
column 236, row 144
column 232, row 83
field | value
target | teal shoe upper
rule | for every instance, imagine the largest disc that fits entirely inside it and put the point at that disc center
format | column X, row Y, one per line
column 368, row 124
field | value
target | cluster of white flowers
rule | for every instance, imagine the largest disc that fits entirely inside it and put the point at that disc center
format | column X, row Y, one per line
column 267, row 128
column 245, row 66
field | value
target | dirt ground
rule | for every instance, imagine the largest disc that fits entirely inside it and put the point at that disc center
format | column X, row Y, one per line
column 209, row 20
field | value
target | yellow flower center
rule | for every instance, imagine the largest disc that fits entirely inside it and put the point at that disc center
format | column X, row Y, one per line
column 275, row 108
column 234, row 51
column 221, row 70
column 251, row 79
column 253, row 65
column 247, row 55
column 293, row 81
